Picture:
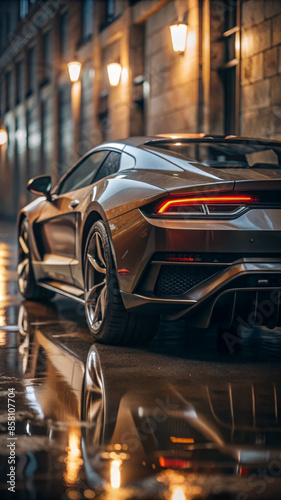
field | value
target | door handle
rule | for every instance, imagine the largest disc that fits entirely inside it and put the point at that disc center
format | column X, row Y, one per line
column 74, row 204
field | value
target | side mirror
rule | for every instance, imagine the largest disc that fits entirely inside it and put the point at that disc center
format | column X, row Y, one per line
column 41, row 185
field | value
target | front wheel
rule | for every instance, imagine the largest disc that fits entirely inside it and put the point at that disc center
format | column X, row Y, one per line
column 108, row 320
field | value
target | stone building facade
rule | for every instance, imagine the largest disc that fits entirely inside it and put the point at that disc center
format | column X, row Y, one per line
column 228, row 80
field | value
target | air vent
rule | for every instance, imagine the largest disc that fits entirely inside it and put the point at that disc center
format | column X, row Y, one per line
column 177, row 280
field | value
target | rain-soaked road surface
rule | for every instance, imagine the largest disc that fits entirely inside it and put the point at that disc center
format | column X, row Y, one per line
column 175, row 420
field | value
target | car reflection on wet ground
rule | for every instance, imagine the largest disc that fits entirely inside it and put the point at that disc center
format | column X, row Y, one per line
column 174, row 420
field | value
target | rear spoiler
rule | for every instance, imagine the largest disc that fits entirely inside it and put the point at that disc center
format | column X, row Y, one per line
column 260, row 185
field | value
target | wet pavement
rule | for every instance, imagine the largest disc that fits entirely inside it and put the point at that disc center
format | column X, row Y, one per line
column 176, row 420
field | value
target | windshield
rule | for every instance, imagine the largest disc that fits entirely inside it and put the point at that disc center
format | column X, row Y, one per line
column 224, row 154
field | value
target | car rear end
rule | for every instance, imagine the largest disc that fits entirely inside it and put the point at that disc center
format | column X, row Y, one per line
column 210, row 251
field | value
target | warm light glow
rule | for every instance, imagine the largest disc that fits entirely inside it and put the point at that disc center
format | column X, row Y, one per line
column 179, row 36
column 3, row 338
column 3, row 137
column 178, row 493
column 74, row 69
column 73, row 494
column 76, row 100
column 182, row 136
column 114, row 73
column 181, row 440
column 205, row 200
column 89, row 494
column 124, row 75
column 247, row 43
column 191, row 42
column 4, row 255
column 115, row 475
column 73, row 460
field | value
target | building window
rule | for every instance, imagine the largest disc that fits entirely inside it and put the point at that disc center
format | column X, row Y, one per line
column 23, row 8
column 107, row 13
column 229, row 81
column 230, row 69
column 64, row 34
column 66, row 130
column 86, row 108
column 2, row 32
column 47, row 144
column 47, row 64
column 110, row 9
column 7, row 26
column 87, row 19
column 31, row 71
column 19, row 82
column 8, row 83
column 8, row 150
column 104, row 119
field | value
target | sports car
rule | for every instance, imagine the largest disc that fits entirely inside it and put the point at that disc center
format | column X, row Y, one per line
column 171, row 226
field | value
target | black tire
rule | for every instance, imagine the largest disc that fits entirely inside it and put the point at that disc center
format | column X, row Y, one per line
column 26, row 280
column 107, row 318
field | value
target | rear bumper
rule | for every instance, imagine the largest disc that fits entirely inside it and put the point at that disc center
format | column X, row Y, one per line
column 247, row 291
column 235, row 266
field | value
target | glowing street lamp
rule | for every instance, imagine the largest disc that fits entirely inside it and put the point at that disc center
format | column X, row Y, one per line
column 114, row 73
column 179, row 36
column 3, row 137
column 74, row 69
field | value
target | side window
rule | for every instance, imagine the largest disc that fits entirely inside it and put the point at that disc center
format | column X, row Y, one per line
column 110, row 166
column 84, row 173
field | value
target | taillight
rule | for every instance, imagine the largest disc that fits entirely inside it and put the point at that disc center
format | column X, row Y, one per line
column 176, row 463
column 205, row 205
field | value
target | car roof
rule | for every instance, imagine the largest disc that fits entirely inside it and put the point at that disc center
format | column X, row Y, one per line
column 201, row 137
column 154, row 140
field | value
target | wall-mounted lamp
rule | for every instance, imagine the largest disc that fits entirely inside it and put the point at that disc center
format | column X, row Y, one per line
column 74, row 68
column 114, row 73
column 179, row 36
column 3, row 137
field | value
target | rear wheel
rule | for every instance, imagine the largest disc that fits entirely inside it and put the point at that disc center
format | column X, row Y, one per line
column 108, row 320
column 26, row 280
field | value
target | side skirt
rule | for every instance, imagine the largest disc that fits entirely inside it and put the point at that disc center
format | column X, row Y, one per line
column 68, row 291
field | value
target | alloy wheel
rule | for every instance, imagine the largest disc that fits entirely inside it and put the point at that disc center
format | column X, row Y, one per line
column 96, row 282
column 23, row 262
column 94, row 400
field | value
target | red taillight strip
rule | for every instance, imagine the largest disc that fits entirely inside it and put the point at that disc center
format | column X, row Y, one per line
column 176, row 463
column 205, row 200
column 181, row 259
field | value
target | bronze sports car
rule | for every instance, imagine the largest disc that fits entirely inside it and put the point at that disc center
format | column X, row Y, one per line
column 172, row 226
